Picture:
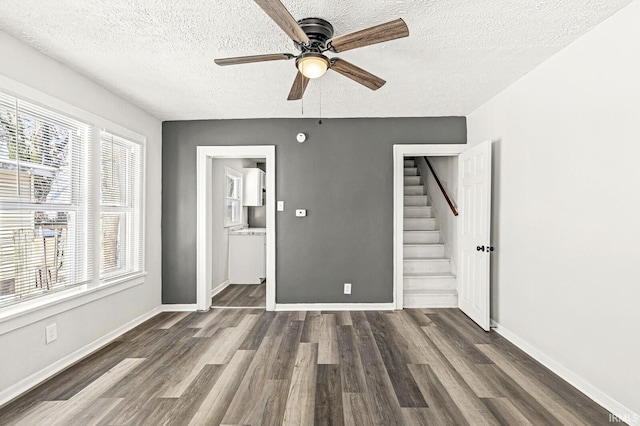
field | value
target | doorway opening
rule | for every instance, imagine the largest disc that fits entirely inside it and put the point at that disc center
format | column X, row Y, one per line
column 430, row 232
column 471, row 239
column 236, row 227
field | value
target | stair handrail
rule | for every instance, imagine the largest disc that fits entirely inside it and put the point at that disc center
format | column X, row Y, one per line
column 453, row 208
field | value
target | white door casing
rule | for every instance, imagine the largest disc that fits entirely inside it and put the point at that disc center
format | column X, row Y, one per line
column 474, row 232
column 399, row 152
column 204, row 249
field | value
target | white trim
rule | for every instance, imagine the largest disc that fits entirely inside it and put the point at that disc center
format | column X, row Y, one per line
column 25, row 313
column 616, row 408
column 186, row 307
column 35, row 379
column 203, row 164
column 217, row 289
column 334, row 307
column 29, row 94
column 430, row 150
column 399, row 152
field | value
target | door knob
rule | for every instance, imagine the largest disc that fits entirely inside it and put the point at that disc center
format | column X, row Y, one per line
column 480, row 248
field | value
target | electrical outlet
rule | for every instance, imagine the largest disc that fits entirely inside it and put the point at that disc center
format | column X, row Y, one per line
column 51, row 332
column 347, row 288
column 280, row 206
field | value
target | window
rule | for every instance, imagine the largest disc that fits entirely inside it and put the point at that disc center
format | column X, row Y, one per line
column 233, row 197
column 120, row 206
column 44, row 195
column 58, row 221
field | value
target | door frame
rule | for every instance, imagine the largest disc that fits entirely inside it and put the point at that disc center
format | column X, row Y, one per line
column 203, row 187
column 399, row 152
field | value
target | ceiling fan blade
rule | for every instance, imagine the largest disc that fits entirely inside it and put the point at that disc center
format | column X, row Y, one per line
column 255, row 58
column 276, row 10
column 298, row 88
column 356, row 74
column 380, row 33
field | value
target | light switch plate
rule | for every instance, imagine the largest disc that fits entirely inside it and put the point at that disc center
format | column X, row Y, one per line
column 280, row 206
column 301, row 212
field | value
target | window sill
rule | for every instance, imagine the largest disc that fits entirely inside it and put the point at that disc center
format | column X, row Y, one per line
column 23, row 314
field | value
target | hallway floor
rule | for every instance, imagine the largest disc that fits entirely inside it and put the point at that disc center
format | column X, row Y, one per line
column 241, row 295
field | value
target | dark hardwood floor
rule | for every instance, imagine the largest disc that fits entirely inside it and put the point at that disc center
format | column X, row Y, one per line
column 241, row 295
column 252, row 367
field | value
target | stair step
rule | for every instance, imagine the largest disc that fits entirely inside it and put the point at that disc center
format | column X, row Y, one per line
column 418, row 211
column 413, row 190
column 429, row 274
column 430, row 291
column 423, row 251
column 412, row 180
column 421, row 237
column 425, row 282
column 411, row 171
column 445, row 298
column 416, row 200
column 409, row 163
column 426, row 265
column 420, row 224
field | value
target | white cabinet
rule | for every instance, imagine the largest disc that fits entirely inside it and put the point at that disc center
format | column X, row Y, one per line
column 246, row 259
column 253, row 187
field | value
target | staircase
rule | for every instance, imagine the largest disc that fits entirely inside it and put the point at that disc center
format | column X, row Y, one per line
column 428, row 280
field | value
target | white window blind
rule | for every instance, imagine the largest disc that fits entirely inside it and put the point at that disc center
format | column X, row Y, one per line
column 120, row 206
column 44, row 193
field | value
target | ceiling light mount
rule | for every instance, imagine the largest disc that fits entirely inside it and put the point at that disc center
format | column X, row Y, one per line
column 319, row 31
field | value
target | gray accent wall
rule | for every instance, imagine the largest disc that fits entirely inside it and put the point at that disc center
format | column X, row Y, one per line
column 342, row 175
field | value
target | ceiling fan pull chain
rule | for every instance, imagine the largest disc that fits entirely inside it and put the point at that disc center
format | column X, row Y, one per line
column 320, row 120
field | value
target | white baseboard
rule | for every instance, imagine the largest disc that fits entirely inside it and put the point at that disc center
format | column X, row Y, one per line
column 217, row 289
column 36, row 378
column 430, row 301
column 616, row 408
column 187, row 307
column 334, row 307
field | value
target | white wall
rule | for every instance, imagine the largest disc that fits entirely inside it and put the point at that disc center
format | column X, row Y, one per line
column 566, row 208
column 447, row 170
column 220, row 234
column 23, row 350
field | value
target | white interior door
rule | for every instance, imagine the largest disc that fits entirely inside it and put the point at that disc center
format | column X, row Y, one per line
column 474, row 232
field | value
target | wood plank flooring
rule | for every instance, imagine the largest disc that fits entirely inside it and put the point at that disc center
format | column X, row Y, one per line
column 251, row 367
column 241, row 296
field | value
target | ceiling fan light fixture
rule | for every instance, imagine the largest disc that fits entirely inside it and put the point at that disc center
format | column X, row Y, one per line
column 312, row 64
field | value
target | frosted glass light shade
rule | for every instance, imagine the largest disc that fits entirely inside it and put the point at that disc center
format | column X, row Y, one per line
column 312, row 65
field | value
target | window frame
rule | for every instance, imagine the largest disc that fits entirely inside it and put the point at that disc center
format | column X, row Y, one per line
column 133, row 205
column 229, row 172
column 17, row 315
column 78, row 259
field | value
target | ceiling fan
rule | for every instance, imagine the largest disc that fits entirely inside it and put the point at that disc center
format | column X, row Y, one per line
column 313, row 37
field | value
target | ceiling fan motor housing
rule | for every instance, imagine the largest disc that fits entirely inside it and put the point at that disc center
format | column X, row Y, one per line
column 319, row 31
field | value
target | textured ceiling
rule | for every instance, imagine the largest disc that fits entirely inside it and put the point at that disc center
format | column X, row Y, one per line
column 158, row 54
